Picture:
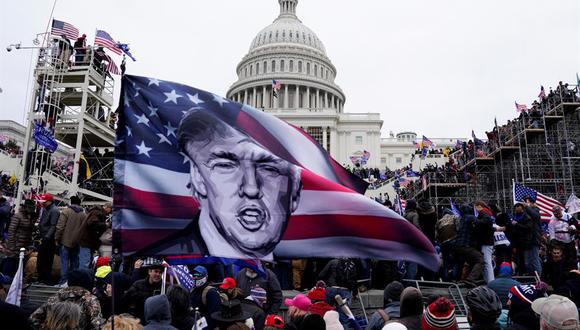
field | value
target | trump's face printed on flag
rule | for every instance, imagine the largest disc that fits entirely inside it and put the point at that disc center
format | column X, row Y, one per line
column 246, row 192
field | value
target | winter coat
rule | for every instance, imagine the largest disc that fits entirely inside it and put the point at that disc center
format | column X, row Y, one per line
column 269, row 283
column 501, row 286
column 465, row 234
column 19, row 233
column 91, row 317
column 158, row 313
column 48, row 222
column 95, row 226
column 4, row 212
column 135, row 297
column 212, row 304
column 534, row 214
column 483, row 229
column 427, row 219
column 413, row 217
column 70, row 225
column 256, row 313
column 393, row 310
column 523, row 231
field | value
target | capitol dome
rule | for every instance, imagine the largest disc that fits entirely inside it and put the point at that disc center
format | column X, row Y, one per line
column 290, row 53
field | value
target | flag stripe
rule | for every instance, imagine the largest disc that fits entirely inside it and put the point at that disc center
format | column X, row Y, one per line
column 135, row 220
column 156, row 204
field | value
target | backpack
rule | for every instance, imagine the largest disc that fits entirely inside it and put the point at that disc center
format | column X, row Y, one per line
column 346, row 273
column 446, row 228
column 222, row 295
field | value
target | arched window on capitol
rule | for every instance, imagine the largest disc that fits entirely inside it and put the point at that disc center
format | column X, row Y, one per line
column 308, row 68
column 282, row 68
column 265, row 66
column 291, row 69
column 300, row 66
column 273, row 66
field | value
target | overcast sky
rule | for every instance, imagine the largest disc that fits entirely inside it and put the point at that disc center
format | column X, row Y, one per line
column 439, row 68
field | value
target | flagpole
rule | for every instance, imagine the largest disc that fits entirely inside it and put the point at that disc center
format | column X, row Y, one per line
column 514, row 190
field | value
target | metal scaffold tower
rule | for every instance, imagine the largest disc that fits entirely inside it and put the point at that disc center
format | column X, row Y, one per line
column 72, row 100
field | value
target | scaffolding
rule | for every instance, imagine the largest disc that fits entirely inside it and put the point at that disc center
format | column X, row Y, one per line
column 72, row 100
column 540, row 150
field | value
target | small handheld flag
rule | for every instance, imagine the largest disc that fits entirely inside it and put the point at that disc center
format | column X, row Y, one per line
column 521, row 107
column 102, row 38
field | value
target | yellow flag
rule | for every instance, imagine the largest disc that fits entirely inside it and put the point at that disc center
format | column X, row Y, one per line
column 88, row 168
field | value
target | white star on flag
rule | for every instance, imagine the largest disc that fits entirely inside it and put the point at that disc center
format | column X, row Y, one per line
column 126, row 100
column 163, row 139
column 194, row 98
column 153, row 111
column 185, row 157
column 170, row 129
column 220, row 100
column 143, row 149
column 118, row 142
column 137, row 92
column 142, row 120
column 172, row 96
column 153, row 81
column 129, row 133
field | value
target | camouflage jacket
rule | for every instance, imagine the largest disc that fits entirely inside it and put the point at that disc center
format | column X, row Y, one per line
column 89, row 304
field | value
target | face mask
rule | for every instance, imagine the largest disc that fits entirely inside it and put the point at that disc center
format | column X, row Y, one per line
column 199, row 282
column 251, row 273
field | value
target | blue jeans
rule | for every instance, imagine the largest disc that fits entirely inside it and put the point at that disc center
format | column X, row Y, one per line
column 346, row 295
column 69, row 261
column 532, row 260
column 487, row 251
column 85, row 257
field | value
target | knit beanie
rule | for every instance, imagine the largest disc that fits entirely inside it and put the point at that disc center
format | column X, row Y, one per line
column 259, row 295
column 393, row 291
column 317, row 294
column 505, row 269
column 440, row 314
column 102, row 261
column 82, row 278
column 522, row 296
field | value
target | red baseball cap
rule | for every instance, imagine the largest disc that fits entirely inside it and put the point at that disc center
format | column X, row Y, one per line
column 274, row 321
column 228, row 283
column 46, row 198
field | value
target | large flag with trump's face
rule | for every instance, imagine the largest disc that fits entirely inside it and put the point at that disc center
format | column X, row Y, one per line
column 197, row 174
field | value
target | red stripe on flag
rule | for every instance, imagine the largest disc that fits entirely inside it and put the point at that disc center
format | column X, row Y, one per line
column 155, row 204
column 312, row 181
column 136, row 239
column 371, row 227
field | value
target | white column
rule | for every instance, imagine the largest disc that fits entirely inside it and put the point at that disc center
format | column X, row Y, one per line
column 317, row 102
column 307, row 97
column 285, row 96
column 332, row 101
column 254, row 98
column 264, row 97
column 245, row 96
column 324, row 140
column 296, row 96
column 326, row 99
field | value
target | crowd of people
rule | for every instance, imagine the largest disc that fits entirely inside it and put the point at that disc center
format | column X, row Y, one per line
column 480, row 247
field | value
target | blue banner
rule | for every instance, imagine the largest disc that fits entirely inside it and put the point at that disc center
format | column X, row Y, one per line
column 44, row 138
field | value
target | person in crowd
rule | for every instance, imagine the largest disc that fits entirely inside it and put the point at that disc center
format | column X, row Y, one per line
column 427, row 219
column 19, row 236
column 440, row 314
column 95, row 226
column 68, row 230
column 446, row 230
column 519, row 302
column 332, row 321
column 533, row 211
column 5, row 210
column 411, row 309
column 123, row 322
column 412, row 216
column 204, row 296
column 106, row 292
column 274, row 322
column 180, row 303
column 483, row 230
column 298, row 308
column 47, row 227
column 523, row 229
column 556, row 312
column 252, row 305
column 465, row 250
column 229, row 289
column 313, row 322
column 341, row 277
column 78, row 292
column 484, row 308
column 561, row 233
column 391, row 305
column 503, row 283
column 135, row 297
column 230, row 314
column 318, row 297
column 157, row 313
column 62, row 315
column 298, row 267
column 248, row 279
column 80, row 49
column 556, row 268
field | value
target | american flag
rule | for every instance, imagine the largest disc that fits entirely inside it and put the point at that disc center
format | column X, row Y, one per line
column 544, row 202
column 154, row 202
column 542, row 94
column 275, row 87
column 426, row 142
column 198, row 259
column 454, row 209
column 521, row 107
column 102, row 38
column 476, row 141
column 111, row 65
column 59, row 28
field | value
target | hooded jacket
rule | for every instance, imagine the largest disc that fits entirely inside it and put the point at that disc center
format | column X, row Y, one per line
column 19, row 233
column 483, row 228
column 158, row 313
column 94, row 227
column 70, row 225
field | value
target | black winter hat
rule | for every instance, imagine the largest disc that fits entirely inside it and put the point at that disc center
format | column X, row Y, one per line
column 82, row 278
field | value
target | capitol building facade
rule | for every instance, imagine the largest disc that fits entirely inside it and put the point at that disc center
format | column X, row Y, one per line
column 290, row 53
